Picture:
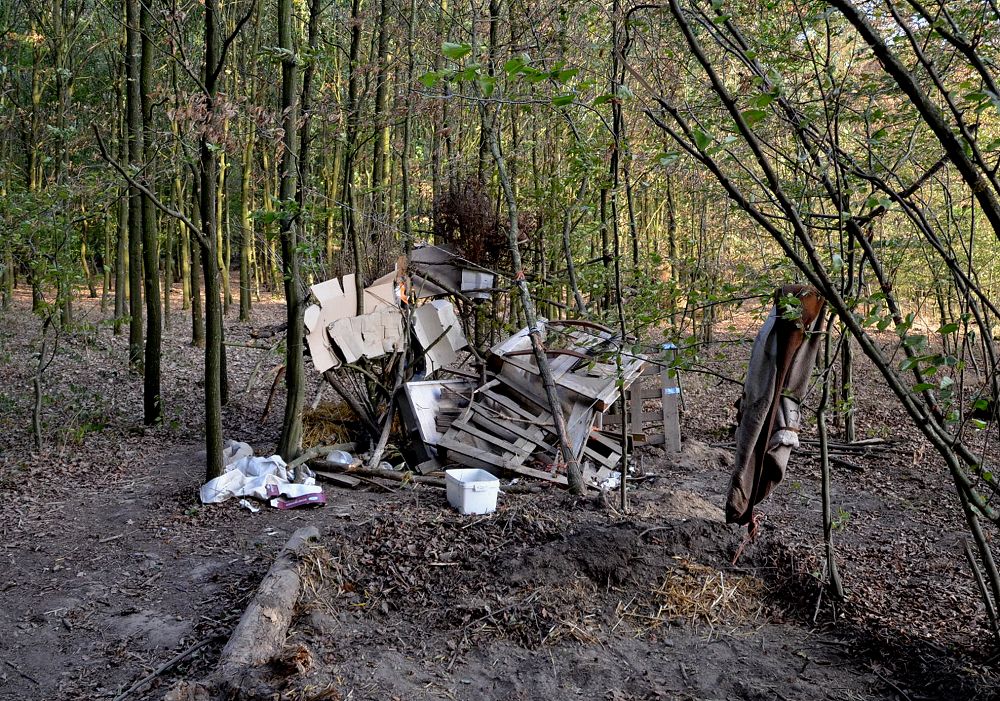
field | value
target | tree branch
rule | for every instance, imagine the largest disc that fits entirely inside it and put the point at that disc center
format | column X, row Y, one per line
column 180, row 216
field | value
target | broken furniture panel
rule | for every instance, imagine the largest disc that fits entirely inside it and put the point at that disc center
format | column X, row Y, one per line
column 439, row 332
column 427, row 402
column 369, row 335
column 336, row 301
column 579, row 364
column 320, row 349
column 660, row 426
column 434, row 271
column 477, row 284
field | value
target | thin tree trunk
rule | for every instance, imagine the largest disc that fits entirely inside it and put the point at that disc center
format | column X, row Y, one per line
column 246, row 223
column 209, row 177
column 824, row 451
column 407, row 129
column 151, row 398
column 133, row 102
column 380, row 153
column 290, row 443
column 573, row 473
column 352, row 236
column 197, row 317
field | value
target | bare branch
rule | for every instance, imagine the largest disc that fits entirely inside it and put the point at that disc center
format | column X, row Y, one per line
column 169, row 211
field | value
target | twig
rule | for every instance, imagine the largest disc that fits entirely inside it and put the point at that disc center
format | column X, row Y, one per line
column 179, row 657
column 991, row 613
column 270, row 397
column 893, row 685
column 22, row 673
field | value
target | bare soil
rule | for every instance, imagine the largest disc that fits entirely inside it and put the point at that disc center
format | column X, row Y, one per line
column 111, row 567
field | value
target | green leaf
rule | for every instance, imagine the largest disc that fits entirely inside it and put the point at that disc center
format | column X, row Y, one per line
column 429, row 80
column 948, row 328
column 514, row 65
column 563, row 99
column 487, row 84
column 455, row 51
column 566, row 75
column 701, row 139
column 761, row 101
column 752, row 117
column 667, row 158
column 923, row 386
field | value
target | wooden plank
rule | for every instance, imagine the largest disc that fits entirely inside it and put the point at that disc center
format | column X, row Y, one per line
column 339, row 479
column 471, row 456
column 646, row 417
column 466, row 426
column 508, row 430
column 670, row 393
column 428, row 466
column 539, row 474
column 608, row 461
column 646, row 393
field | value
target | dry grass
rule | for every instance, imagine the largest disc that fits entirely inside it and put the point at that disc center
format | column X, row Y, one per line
column 700, row 596
column 327, row 424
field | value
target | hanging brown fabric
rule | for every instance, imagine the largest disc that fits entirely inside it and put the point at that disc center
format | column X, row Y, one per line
column 782, row 360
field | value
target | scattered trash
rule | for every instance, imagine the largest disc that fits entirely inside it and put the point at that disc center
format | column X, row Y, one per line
column 439, row 333
column 496, row 416
column 248, row 505
column 340, row 457
column 257, row 477
column 472, row 491
column 316, row 499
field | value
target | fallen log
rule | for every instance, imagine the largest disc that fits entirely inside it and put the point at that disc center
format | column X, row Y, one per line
column 260, row 634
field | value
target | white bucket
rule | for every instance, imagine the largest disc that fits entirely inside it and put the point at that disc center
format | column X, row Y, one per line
column 472, row 491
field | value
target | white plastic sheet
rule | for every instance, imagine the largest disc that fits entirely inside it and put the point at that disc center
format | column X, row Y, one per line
column 257, row 477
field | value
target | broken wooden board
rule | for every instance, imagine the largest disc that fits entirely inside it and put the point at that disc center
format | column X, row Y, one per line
column 338, row 478
column 578, row 367
column 426, row 400
column 439, row 333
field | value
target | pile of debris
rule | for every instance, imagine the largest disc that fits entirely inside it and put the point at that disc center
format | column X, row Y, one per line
column 494, row 415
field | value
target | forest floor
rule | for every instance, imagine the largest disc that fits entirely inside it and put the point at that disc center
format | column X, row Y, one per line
column 111, row 566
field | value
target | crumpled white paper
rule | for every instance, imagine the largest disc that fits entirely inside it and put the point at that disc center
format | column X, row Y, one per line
column 249, row 476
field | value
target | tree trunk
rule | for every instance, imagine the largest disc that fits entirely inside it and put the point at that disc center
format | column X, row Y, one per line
column 380, row 151
column 209, row 177
column 290, row 442
column 151, row 398
column 194, row 270
column 351, row 234
column 133, row 102
column 573, row 473
column 246, row 225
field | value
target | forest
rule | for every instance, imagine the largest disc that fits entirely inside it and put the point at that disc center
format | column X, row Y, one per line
column 663, row 270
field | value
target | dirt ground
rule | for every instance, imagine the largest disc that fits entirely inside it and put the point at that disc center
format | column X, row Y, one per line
column 111, row 567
